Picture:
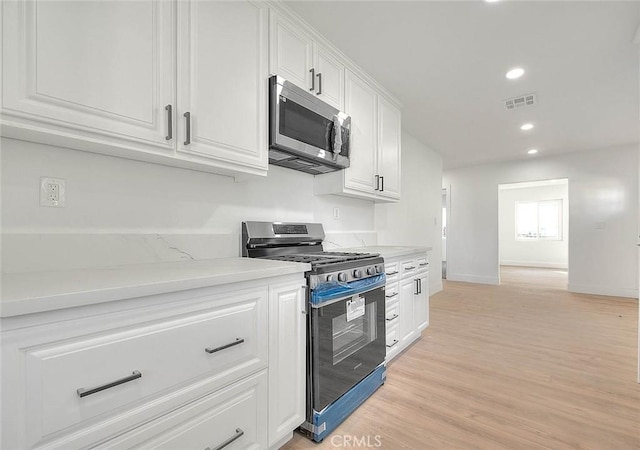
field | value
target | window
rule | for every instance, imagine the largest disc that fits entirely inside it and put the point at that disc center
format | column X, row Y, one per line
column 539, row 220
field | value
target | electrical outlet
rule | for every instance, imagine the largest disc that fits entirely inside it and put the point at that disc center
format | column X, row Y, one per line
column 52, row 192
column 336, row 213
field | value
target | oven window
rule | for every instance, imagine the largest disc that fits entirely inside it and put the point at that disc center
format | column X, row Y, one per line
column 351, row 336
column 301, row 124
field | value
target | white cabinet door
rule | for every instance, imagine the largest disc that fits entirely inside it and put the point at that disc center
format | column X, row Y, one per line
column 93, row 69
column 389, row 150
column 222, row 79
column 421, row 306
column 329, row 83
column 290, row 52
column 407, row 311
column 360, row 104
column 287, row 360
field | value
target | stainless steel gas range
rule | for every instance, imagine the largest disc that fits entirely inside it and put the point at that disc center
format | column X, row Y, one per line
column 345, row 318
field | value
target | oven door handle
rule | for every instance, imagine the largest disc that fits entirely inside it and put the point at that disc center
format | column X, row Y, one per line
column 319, row 299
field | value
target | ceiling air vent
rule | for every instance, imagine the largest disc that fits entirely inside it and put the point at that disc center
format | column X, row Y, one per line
column 521, row 102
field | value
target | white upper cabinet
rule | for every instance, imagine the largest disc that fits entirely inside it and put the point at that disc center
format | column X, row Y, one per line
column 361, row 105
column 222, row 81
column 295, row 56
column 291, row 51
column 374, row 171
column 104, row 68
column 117, row 77
column 388, row 168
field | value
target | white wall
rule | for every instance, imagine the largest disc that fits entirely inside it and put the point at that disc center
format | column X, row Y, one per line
column 416, row 219
column 603, row 192
column 124, row 211
column 535, row 253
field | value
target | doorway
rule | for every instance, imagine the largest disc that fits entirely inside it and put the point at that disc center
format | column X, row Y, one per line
column 533, row 223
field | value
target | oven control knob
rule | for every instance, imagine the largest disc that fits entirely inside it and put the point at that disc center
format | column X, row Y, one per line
column 372, row 270
column 357, row 273
column 330, row 278
column 342, row 277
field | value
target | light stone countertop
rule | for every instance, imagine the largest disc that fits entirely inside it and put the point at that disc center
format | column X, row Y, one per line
column 31, row 292
column 388, row 251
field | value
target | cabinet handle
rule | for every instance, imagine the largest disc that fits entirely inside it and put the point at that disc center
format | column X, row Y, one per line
column 222, row 347
column 395, row 341
column 389, row 319
column 392, row 295
column 187, row 115
column 410, row 268
column 82, row 392
column 238, row 434
column 424, row 264
column 377, row 183
column 313, row 79
column 381, row 183
column 417, row 288
column 391, row 273
column 319, row 84
column 169, row 135
column 419, row 285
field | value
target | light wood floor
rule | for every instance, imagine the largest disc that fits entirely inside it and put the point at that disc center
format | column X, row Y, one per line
column 524, row 365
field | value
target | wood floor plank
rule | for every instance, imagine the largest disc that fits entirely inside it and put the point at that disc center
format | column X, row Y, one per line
column 523, row 365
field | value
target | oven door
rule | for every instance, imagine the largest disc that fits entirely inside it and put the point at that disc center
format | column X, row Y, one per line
column 347, row 337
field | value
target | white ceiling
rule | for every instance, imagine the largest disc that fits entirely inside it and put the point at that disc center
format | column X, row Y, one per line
column 446, row 62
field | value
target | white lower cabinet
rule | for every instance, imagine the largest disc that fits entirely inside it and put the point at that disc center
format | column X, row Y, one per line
column 235, row 416
column 407, row 301
column 190, row 369
column 287, row 368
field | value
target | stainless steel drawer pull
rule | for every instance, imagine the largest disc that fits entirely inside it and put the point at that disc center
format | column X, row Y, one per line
column 389, row 319
column 222, row 347
column 236, row 436
column 395, row 341
column 410, row 268
column 82, row 392
column 391, row 273
column 169, row 135
column 424, row 264
column 391, row 295
column 187, row 129
column 313, row 79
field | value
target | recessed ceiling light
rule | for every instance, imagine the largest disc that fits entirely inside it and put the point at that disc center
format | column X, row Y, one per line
column 533, row 151
column 527, row 127
column 515, row 73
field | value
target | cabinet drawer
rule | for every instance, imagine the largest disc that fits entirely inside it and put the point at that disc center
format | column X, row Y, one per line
column 70, row 382
column 422, row 263
column 393, row 336
column 391, row 292
column 238, row 412
column 392, row 314
column 391, row 270
column 408, row 267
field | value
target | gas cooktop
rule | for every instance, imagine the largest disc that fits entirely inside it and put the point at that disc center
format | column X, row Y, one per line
column 322, row 258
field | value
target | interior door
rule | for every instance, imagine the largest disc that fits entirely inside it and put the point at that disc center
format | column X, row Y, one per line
column 222, row 79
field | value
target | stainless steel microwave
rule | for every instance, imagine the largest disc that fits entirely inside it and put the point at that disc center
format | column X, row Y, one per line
column 306, row 133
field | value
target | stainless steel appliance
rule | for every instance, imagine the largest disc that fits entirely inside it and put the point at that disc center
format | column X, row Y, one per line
column 345, row 318
column 306, row 133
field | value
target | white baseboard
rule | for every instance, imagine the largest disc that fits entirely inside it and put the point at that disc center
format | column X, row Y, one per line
column 549, row 265
column 435, row 287
column 472, row 278
column 603, row 290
